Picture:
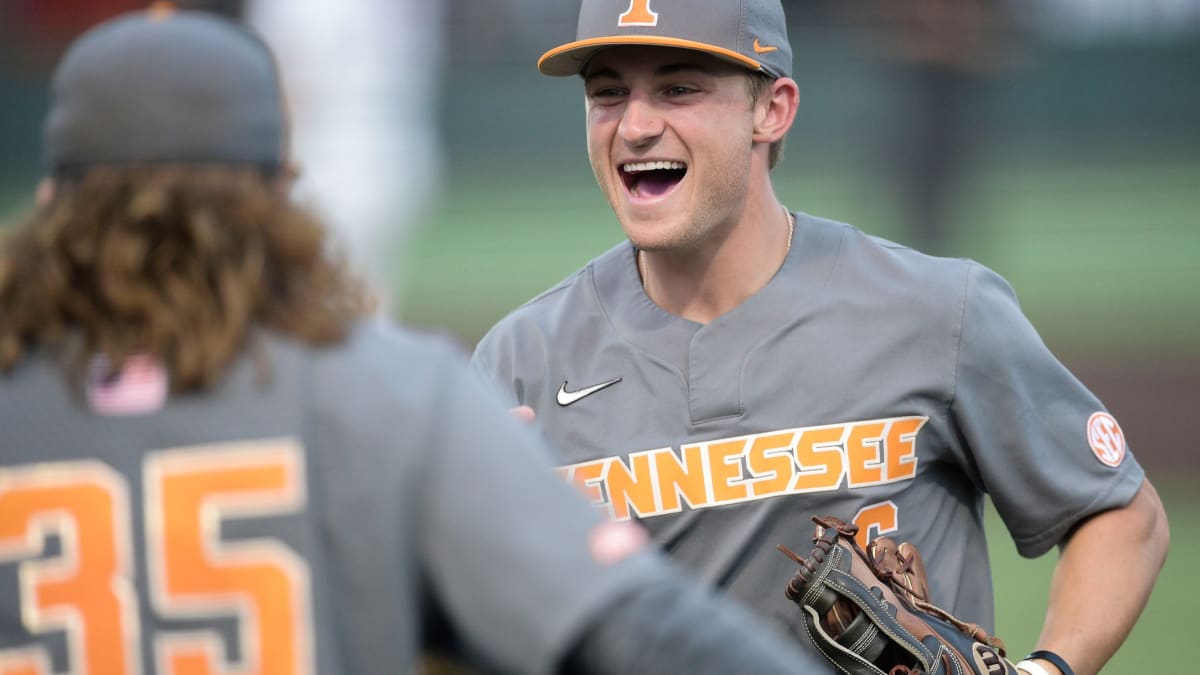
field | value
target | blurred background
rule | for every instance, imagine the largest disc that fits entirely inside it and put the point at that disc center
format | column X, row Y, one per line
column 1056, row 141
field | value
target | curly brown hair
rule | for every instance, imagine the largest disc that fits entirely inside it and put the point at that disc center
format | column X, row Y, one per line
column 179, row 262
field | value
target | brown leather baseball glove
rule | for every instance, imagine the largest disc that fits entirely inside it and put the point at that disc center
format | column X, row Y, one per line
column 868, row 611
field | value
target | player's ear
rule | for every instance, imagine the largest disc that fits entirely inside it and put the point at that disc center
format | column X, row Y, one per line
column 46, row 189
column 775, row 111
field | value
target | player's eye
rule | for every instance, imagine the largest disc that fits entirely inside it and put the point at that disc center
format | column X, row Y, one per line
column 680, row 90
column 605, row 92
column 606, row 96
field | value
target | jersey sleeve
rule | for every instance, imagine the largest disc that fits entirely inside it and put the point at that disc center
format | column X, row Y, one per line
column 494, row 366
column 504, row 539
column 1034, row 438
column 679, row 627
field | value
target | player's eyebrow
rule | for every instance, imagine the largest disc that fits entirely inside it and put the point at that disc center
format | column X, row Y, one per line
column 661, row 71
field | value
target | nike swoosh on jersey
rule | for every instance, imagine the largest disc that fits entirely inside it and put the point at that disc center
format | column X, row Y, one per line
column 566, row 398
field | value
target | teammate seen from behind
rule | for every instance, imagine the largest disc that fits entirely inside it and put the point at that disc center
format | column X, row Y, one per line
column 736, row 367
column 211, row 460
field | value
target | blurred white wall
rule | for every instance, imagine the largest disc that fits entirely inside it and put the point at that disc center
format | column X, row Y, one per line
column 363, row 78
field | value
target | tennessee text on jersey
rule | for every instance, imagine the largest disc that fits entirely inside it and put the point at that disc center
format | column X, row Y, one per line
column 746, row 468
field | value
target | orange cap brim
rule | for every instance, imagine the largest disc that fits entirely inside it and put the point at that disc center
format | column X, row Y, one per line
column 569, row 59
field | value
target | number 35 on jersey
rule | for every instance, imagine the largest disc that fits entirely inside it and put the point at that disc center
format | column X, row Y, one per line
column 88, row 591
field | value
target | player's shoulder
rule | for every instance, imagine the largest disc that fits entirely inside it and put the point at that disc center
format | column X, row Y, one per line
column 569, row 299
column 871, row 256
column 857, row 240
column 381, row 347
column 383, row 370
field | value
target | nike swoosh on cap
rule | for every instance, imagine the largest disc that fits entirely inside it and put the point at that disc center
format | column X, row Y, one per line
column 759, row 49
column 566, row 398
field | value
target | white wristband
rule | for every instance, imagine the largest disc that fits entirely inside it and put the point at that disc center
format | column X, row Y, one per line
column 1032, row 668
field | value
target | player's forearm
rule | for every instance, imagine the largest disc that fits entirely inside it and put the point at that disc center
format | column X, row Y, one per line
column 1103, row 580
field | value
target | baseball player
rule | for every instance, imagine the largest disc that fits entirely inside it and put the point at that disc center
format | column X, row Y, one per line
column 736, row 367
column 211, row 460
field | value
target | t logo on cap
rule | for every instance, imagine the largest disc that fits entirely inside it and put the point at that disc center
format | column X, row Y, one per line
column 726, row 29
column 639, row 14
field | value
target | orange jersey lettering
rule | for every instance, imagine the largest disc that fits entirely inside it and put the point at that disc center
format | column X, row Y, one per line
column 760, row 466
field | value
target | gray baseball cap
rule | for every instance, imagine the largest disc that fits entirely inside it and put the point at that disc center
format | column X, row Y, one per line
column 165, row 85
column 748, row 33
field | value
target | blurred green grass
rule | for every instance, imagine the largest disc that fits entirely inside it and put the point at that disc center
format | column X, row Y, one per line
column 1103, row 252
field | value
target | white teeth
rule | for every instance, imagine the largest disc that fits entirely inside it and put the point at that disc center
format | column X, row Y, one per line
column 634, row 167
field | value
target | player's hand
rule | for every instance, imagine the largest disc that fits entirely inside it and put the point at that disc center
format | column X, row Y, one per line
column 523, row 413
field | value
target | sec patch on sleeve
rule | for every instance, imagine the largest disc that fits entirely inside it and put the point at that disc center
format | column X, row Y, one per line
column 1106, row 439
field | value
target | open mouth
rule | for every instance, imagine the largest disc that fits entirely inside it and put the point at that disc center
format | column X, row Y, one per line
column 652, row 179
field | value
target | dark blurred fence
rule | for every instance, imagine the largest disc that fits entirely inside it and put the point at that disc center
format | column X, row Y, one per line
column 1049, row 72
column 1072, row 73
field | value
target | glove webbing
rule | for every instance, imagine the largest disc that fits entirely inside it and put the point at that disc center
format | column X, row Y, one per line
column 868, row 639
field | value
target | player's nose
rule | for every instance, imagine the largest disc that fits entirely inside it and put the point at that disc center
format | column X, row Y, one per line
column 641, row 121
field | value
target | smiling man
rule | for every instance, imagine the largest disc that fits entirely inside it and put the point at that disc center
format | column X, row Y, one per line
column 736, row 367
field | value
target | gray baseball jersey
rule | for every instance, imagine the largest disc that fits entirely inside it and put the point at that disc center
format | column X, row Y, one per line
column 296, row 523
column 865, row 380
